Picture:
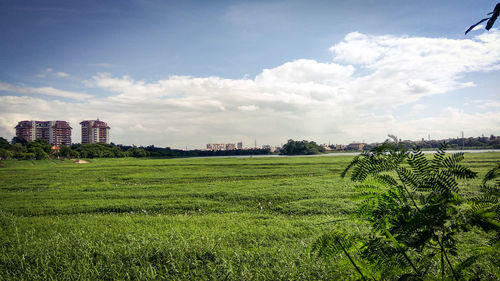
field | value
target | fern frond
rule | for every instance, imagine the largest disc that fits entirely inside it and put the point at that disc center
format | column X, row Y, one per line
column 453, row 159
column 364, row 195
column 364, row 210
column 438, row 158
column 461, row 172
column 383, row 158
column 490, row 190
column 330, row 244
column 468, row 262
column 353, row 162
column 441, row 182
column 483, row 201
column 386, row 179
column 492, row 174
column 408, row 178
column 370, row 165
column 383, row 254
column 419, row 163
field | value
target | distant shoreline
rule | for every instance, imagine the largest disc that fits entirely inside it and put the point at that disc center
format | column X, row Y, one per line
column 343, row 154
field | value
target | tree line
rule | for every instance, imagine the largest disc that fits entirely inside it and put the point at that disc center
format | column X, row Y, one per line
column 457, row 143
column 41, row 149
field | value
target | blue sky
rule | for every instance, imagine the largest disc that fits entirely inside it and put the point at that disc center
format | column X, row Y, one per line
column 186, row 73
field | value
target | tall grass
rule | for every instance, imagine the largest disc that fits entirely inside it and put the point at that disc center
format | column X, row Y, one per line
column 177, row 219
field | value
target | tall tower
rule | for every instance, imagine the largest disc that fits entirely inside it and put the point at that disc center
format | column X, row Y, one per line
column 54, row 132
column 60, row 133
column 26, row 130
column 95, row 131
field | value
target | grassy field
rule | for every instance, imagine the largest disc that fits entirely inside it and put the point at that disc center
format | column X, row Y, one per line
column 177, row 219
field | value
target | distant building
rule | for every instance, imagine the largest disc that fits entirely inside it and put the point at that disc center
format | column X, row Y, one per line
column 95, row 131
column 54, row 132
column 240, row 145
column 356, row 146
column 340, row 147
column 223, row 146
column 326, row 147
column 216, row 146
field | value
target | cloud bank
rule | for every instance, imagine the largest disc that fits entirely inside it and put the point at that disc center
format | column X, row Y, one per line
column 352, row 97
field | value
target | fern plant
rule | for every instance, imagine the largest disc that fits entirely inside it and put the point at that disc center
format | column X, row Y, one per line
column 330, row 244
column 485, row 208
column 411, row 203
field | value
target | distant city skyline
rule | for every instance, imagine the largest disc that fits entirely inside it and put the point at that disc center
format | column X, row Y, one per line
column 187, row 73
column 97, row 131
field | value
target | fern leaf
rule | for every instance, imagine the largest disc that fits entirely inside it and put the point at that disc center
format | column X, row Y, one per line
column 330, row 244
column 353, row 162
column 419, row 163
column 438, row 158
column 492, row 174
column 386, row 179
column 483, row 201
column 408, row 178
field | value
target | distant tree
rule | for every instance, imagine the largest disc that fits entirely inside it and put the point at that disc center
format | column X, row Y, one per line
column 5, row 154
column 4, row 143
column 137, row 152
column 74, row 154
column 64, row 151
column 39, row 153
column 26, row 156
column 19, row 140
column 40, row 143
column 301, row 148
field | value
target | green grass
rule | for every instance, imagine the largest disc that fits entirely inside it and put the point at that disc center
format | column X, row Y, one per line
column 177, row 219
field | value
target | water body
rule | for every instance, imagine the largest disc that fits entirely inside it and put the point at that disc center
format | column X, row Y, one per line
column 347, row 154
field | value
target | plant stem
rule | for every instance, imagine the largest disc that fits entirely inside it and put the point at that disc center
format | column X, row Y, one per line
column 409, row 261
column 447, row 260
column 353, row 263
column 442, row 266
column 443, row 251
column 401, row 250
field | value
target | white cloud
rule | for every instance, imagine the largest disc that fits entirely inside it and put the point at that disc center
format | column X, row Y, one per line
column 251, row 107
column 49, row 91
column 306, row 71
column 45, row 73
column 359, row 48
column 478, row 27
column 450, row 122
column 50, row 72
column 62, row 74
column 485, row 104
column 102, row 64
column 417, row 110
column 348, row 99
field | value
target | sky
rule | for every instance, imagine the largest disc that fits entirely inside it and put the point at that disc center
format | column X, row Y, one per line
column 182, row 74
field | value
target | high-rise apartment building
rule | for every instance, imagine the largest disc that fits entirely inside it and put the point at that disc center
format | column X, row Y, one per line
column 94, row 131
column 54, row 132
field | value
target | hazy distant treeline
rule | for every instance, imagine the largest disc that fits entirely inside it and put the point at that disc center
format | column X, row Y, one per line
column 458, row 143
column 40, row 149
